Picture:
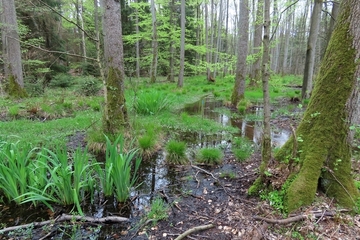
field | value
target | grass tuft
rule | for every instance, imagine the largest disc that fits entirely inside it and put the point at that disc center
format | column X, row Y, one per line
column 210, row 156
column 176, row 152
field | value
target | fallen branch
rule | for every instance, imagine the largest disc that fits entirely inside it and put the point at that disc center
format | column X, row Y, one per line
column 295, row 218
column 207, row 172
column 194, row 229
column 66, row 217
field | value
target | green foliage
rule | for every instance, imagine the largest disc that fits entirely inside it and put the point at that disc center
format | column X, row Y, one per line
column 151, row 102
column 116, row 175
column 14, row 111
column 210, row 156
column 158, row 211
column 62, row 80
column 242, row 148
column 176, row 152
column 89, row 86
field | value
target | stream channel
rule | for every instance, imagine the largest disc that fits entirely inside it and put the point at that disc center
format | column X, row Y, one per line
column 155, row 177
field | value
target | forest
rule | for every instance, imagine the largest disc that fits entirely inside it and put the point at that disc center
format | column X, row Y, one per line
column 157, row 119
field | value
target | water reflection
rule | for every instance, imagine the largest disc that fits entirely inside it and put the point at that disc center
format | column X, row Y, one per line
column 252, row 129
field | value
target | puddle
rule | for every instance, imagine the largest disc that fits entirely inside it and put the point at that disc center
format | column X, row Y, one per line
column 252, row 130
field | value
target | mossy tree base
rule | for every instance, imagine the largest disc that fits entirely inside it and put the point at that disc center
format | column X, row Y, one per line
column 14, row 89
column 319, row 154
column 115, row 117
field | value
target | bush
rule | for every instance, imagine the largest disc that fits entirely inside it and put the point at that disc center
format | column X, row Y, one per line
column 152, row 102
column 89, row 86
column 176, row 152
column 62, row 80
column 210, row 156
column 242, row 148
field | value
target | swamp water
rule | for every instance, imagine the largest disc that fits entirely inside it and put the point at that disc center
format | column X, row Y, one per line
column 155, row 177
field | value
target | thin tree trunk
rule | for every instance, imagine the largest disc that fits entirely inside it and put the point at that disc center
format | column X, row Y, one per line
column 154, row 44
column 226, row 39
column 182, row 46
column 310, row 52
column 218, row 42
column 207, row 41
column 83, row 42
column 255, row 74
column 240, row 77
column 137, row 44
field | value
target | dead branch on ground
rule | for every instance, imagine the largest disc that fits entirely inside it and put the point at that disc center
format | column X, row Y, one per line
column 296, row 218
column 66, row 217
column 194, row 229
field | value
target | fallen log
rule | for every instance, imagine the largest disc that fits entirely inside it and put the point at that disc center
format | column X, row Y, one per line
column 66, row 217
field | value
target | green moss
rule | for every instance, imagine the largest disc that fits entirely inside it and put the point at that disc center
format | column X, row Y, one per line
column 14, row 89
column 116, row 118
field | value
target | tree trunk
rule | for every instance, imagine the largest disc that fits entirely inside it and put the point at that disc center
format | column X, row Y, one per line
column 182, row 46
column 255, row 74
column 226, row 39
column 240, row 77
column 310, row 52
column 83, row 42
column 137, row 44
column 218, row 40
column 115, row 116
column 154, row 44
column 207, row 42
column 171, row 74
column 320, row 151
column 11, row 50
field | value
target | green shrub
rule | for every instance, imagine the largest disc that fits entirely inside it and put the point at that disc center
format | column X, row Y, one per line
column 176, row 152
column 61, row 80
column 158, row 211
column 242, row 148
column 151, row 102
column 210, row 156
column 14, row 111
column 89, row 86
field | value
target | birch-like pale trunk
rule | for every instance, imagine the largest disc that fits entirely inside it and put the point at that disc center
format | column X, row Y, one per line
column 153, row 69
column 182, row 45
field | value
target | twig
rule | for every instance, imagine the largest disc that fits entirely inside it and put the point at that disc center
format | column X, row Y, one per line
column 194, row 229
column 295, row 218
column 66, row 217
column 207, row 172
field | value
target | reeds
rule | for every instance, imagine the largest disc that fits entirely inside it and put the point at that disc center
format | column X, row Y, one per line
column 57, row 176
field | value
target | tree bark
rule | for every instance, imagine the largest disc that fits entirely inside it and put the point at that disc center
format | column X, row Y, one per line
column 323, row 138
column 266, row 136
column 182, row 46
column 240, row 77
column 153, row 68
column 115, row 116
column 255, row 74
column 171, row 76
column 11, row 50
column 310, row 52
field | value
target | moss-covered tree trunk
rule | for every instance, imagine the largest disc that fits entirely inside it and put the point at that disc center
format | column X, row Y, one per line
column 320, row 151
column 115, row 113
column 11, row 50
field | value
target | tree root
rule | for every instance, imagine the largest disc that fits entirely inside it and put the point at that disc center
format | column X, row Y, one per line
column 66, row 217
column 296, row 218
column 194, row 229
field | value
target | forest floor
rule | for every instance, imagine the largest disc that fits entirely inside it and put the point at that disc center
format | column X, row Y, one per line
column 223, row 203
